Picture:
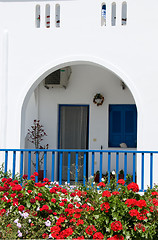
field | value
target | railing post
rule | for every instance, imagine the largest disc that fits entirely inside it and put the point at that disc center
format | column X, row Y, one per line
column 68, row 172
column 6, row 161
column 84, row 169
column 125, row 165
column 134, row 167
column 37, row 159
column 45, row 163
column 109, row 166
column 21, row 164
column 142, row 175
column 101, row 163
column 14, row 163
column 117, row 166
column 29, row 165
column 76, row 177
column 60, row 168
column 52, row 175
column 151, row 170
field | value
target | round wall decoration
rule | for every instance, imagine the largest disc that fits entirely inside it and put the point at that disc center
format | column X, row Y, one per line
column 98, row 99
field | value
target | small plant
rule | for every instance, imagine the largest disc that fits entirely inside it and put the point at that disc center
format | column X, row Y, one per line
column 35, row 136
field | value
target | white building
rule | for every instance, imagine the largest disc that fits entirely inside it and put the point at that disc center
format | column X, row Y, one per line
column 111, row 48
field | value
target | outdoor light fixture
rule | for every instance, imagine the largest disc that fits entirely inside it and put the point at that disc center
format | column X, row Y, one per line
column 123, row 85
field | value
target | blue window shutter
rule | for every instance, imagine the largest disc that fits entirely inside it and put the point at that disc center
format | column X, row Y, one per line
column 130, row 127
column 122, row 125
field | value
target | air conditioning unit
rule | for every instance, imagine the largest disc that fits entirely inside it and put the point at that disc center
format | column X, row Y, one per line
column 58, row 78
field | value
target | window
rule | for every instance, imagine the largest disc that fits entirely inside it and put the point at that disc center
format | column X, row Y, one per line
column 124, row 13
column 103, row 14
column 37, row 16
column 113, row 14
column 57, row 15
column 47, row 16
column 122, row 125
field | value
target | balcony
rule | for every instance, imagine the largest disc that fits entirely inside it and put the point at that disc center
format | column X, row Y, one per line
column 57, row 164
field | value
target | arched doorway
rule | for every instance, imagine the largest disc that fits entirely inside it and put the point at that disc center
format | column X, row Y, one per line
column 86, row 80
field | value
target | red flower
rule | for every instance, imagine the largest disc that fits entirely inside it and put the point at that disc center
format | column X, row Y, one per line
column 44, row 208
column 80, row 222
column 141, row 203
column 116, row 226
column 35, row 173
column 39, row 194
column 131, row 202
column 13, row 195
column 55, row 229
column 29, row 191
column 32, row 200
column 154, row 193
column 121, row 181
column 21, row 208
column 2, row 211
column 17, row 188
column 98, row 235
column 101, row 184
column 155, row 201
column 133, row 186
column 53, row 200
column 115, row 193
column 61, row 204
column 90, row 230
column 106, row 194
column 105, row 206
column 45, row 235
column 24, row 176
column 116, row 237
column 46, row 180
column 134, row 212
column 77, row 215
column 4, row 179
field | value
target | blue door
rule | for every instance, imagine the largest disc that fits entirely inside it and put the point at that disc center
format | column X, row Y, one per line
column 122, row 125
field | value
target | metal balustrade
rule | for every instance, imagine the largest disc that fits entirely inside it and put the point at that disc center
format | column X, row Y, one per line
column 142, row 163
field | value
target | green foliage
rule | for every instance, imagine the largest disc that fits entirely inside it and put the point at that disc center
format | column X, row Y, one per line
column 32, row 211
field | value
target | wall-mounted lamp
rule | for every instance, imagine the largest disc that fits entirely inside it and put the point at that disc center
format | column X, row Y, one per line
column 123, row 85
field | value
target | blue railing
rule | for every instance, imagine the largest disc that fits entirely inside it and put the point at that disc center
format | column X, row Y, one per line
column 57, row 164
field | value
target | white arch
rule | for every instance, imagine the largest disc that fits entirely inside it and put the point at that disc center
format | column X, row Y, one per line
column 73, row 60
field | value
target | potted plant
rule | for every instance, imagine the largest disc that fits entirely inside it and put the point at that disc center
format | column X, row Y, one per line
column 121, row 174
column 35, row 136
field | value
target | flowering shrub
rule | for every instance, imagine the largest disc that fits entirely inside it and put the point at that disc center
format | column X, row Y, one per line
column 45, row 210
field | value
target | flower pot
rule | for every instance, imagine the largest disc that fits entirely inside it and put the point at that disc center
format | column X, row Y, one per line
column 40, row 175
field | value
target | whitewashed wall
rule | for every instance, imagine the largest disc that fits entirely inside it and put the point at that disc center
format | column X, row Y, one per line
column 29, row 54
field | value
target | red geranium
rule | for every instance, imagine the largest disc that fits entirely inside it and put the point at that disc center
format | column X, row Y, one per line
column 121, row 181
column 90, row 229
column 35, row 173
column 21, row 208
column 98, row 235
column 133, row 186
column 101, row 184
column 116, row 226
column 141, row 203
column 134, row 212
column 106, row 194
column 105, row 206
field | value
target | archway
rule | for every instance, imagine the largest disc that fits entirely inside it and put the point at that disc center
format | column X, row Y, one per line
column 87, row 79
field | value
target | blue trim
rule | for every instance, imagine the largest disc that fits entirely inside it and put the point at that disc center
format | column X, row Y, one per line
column 109, row 166
column 142, row 177
column 6, row 161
